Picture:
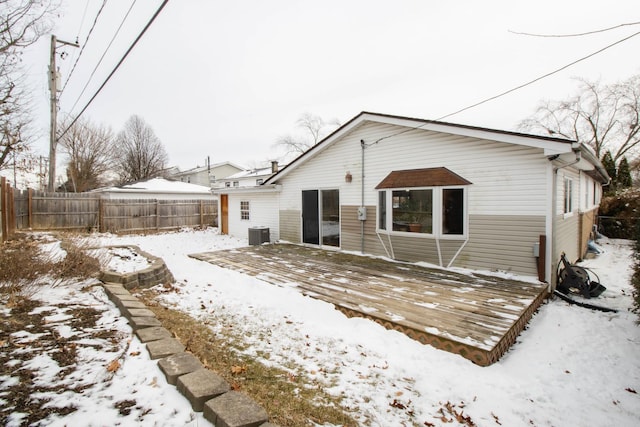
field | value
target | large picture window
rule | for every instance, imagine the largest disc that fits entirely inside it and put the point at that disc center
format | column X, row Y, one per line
column 413, row 211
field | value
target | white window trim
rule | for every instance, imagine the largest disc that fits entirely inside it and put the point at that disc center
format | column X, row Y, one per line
column 437, row 214
column 568, row 211
column 247, row 210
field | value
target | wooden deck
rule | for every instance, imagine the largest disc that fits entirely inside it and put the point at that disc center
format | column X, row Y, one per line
column 476, row 316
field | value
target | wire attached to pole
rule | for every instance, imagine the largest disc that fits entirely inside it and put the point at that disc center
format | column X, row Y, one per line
column 153, row 18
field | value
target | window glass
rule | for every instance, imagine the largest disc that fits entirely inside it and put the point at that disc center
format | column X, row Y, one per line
column 413, row 211
column 568, row 195
column 382, row 205
column 453, row 211
column 331, row 217
column 244, row 210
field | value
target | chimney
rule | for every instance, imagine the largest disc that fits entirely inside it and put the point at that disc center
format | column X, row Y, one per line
column 274, row 166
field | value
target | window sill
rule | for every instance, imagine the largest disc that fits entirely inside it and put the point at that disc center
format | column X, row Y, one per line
column 423, row 235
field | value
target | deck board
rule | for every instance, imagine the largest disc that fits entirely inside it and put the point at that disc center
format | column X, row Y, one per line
column 476, row 316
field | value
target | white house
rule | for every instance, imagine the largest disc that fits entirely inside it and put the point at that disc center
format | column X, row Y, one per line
column 157, row 189
column 442, row 193
column 246, row 178
column 208, row 174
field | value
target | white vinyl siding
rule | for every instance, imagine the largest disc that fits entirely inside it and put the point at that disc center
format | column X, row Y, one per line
column 263, row 213
column 506, row 179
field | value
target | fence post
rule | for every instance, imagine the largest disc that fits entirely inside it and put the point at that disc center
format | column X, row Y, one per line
column 101, row 215
column 202, row 214
column 11, row 210
column 157, row 215
column 3, row 208
column 30, row 208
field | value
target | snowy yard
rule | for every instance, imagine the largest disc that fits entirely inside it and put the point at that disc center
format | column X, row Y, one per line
column 572, row 366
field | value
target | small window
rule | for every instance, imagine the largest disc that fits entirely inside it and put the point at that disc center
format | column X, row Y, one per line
column 453, row 211
column 244, row 210
column 382, row 203
column 259, row 181
column 236, row 183
column 568, row 195
column 227, row 184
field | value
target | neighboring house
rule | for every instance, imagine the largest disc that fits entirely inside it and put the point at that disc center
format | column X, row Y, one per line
column 442, row 193
column 157, row 189
column 207, row 175
column 247, row 178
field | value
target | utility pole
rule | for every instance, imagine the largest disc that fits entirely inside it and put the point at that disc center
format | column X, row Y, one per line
column 54, row 88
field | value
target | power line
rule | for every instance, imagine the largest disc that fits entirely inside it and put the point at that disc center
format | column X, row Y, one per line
column 576, row 34
column 103, row 55
column 84, row 14
column 506, row 92
column 144, row 30
column 541, row 77
column 95, row 21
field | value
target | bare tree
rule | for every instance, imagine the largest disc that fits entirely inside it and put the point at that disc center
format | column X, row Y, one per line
column 605, row 117
column 313, row 127
column 22, row 22
column 140, row 154
column 89, row 150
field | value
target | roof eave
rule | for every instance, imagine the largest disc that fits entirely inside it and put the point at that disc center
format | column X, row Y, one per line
column 550, row 145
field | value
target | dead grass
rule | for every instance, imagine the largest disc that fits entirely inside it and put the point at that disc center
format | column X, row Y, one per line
column 290, row 400
column 25, row 266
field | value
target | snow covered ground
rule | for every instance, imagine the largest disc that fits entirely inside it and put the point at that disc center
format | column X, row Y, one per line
column 571, row 367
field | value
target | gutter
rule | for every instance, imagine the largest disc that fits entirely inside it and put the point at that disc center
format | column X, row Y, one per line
column 271, row 188
column 554, row 205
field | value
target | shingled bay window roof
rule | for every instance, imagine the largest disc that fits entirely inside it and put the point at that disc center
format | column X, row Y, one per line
column 429, row 177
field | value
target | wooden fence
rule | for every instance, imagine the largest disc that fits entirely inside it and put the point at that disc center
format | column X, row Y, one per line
column 36, row 210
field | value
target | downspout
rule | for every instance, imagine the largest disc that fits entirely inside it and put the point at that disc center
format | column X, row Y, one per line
column 362, row 198
column 554, row 208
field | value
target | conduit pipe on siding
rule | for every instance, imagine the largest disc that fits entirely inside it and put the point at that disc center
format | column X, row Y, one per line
column 362, row 198
column 554, row 199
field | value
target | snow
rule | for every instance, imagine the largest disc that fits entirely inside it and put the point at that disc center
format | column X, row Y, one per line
column 162, row 185
column 571, row 366
column 121, row 259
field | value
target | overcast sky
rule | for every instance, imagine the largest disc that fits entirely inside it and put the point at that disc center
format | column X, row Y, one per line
column 225, row 78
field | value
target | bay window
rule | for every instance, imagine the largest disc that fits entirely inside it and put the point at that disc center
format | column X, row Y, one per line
column 428, row 202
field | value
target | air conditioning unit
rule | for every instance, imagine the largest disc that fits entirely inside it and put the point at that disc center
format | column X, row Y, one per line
column 258, row 235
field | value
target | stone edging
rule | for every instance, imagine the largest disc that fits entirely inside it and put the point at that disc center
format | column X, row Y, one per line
column 155, row 274
column 205, row 390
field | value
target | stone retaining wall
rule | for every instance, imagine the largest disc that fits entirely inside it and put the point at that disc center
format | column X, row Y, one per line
column 153, row 275
column 206, row 391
